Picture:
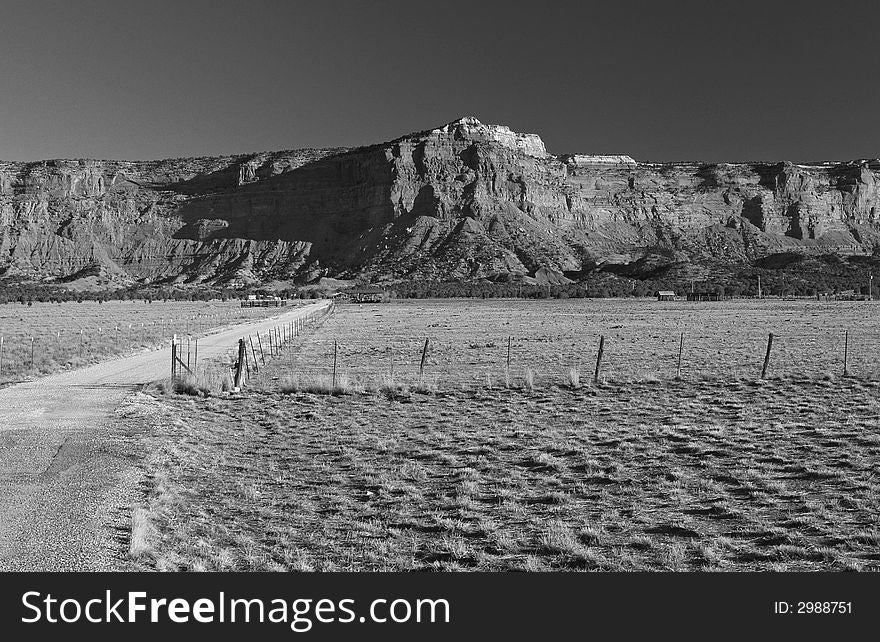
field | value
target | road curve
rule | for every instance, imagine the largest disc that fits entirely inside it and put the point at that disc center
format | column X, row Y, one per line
column 69, row 464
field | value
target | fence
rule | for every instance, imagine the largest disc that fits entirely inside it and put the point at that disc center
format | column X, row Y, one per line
column 597, row 357
column 253, row 351
column 47, row 337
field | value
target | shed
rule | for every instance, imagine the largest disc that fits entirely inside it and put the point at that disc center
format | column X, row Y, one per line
column 704, row 296
column 368, row 294
column 264, row 302
column 665, row 295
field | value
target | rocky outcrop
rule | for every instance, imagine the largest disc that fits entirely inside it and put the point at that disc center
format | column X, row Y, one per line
column 461, row 201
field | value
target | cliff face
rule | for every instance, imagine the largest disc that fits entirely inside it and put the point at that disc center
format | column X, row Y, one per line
column 462, row 201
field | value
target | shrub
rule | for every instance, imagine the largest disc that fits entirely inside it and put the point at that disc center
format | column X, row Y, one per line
column 187, row 386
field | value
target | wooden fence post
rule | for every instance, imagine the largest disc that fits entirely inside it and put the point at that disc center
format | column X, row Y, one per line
column 188, row 350
column 599, row 358
column 508, row 353
column 422, row 364
column 334, row 363
column 1, row 354
column 196, row 356
column 239, row 368
column 32, row 352
column 845, row 353
column 253, row 352
column 80, row 342
column 262, row 354
column 767, row 356
column 174, row 356
column 680, row 348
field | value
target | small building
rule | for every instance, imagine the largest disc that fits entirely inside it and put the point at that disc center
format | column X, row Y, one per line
column 665, row 295
column 851, row 295
column 264, row 302
column 368, row 294
column 703, row 296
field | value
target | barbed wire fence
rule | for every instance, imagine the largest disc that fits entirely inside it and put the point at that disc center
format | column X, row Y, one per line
column 254, row 351
column 595, row 357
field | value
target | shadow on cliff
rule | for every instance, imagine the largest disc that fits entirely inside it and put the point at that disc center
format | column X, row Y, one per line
column 329, row 202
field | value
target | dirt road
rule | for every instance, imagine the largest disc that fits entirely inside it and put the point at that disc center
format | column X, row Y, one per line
column 69, row 462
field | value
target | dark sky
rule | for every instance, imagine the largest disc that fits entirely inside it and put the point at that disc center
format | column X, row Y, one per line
column 657, row 80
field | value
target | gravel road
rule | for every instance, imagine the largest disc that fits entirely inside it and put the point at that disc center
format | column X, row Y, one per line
column 69, row 462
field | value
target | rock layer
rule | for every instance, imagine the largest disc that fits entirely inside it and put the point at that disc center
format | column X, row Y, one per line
column 462, row 201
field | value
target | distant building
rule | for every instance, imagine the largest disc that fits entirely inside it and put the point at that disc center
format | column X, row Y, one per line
column 264, row 302
column 851, row 295
column 665, row 295
column 704, row 296
column 368, row 294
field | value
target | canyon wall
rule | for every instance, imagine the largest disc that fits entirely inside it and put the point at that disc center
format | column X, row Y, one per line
column 462, row 201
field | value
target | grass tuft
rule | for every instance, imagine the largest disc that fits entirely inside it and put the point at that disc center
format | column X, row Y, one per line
column 142, row 534
column 321, row 385
column 530, row 379
column 426, row 385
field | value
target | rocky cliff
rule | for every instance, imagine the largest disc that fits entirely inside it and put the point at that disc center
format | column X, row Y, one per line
column 463, row 201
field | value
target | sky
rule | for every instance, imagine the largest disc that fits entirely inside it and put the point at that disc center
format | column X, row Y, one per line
column 660, row 81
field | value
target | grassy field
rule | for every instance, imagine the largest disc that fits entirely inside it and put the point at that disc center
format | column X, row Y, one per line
column 717, row 471
column 69, row 335
column 468, row 340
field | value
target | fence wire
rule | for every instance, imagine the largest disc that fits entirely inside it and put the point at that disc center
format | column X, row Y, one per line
column 461, row 354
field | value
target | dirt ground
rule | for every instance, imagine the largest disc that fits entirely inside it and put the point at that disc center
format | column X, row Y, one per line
column 73, row 448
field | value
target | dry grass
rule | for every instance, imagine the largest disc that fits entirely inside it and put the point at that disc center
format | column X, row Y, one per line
column 142, row 534
column 468, row 340
column 209, row 378
column 108, row 329
column 702, row 475
column 717, row 471
column 321, row 385
column 529, row 379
